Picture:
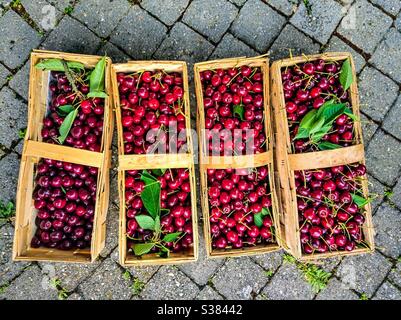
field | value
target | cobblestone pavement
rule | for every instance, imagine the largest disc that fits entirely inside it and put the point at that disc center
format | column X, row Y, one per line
column 197, row 30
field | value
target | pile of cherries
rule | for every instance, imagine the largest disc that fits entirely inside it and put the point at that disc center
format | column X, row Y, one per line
column 329, row 219
column 229, row 132
column 87, row 128
column 310, row 85
column 152, row 115
column 65, row 196
column 235, row 196
column 175, row 203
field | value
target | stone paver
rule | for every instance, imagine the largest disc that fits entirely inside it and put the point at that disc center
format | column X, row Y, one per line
column 288, row 273
column 111, row 231
column 364, row 273
column 13, row 115
column 184, row 43
column 251, row 27
column 336, row 290
column 397, row 22
column 9, row 167
column 101, row 16
column 387, row 222
column 382, row 157
column 238, row 2
column 106, row 283
column 42, row 13
column 8, row 269
column 207, row 293
column 336, row 44
column 239, row 278
column 167, row 11
column 170, row 284
column 4, row 73
column 211, row 18
column 71, row 36
column 32, row 284
column 390, row 123
column 269, row 261
column 75, row 296
column 377, row 93
column 396, row 198
column 232, row 47
column 385, row 56
column 364, row 25
column 395, row 275
column 390, row 6
column 285, row 6
column 60, row 4
column 18, row 38
column 20, row 81
column 144, row 39
column 376, row 189
column 292, row 39
column 387, row 292
column 322, row 21
column 369, row 128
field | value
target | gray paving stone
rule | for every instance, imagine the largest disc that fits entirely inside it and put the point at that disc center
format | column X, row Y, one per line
column 142, row 41
column 328, row 264
column 285, row 6
column 326, row 14
column 42, row 13
column 387, row 292
column 376, row 189
column 61, row 4
column 391, row 124
column 211, row 18
column 390, row 6
column 364, row 273
column 382, row 158
column 19, row 147
column 377, row 93
column 277, row 287
column 239, row 278
column 9, row 168
column 106, row 283
column 292, row 39
column 396, row 198
column 70, row 274
column 167, row 11
column 369, row 127
column 71, row 36
column 269, row 261
column 387, row 222
column 101, row 16
column 238, row 2
column 18, row 39
column 336, row 290
column 395, row 275
column 184, row 43
column 112, row 223
column 364, row 25
column 397, row 22
column 201, row 270
column 13, row 115
column 207, row 293
column 8, row 269
column 336, row 44
column 4, row 73
column 20, row 81
column 32, row 284
column 230, row 47
column 170, row 284
column 251, row 25
column 75, row 296
column 386, row 56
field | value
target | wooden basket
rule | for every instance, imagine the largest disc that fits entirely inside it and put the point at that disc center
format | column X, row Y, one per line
column 34, row 149
column 224, row 162
column 153, row 161
column 287, row 163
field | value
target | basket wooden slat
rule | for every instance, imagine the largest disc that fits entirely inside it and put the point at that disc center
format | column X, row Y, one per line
column 34, row 150
column 246, row 161
column 286, row 162
column 156, row 161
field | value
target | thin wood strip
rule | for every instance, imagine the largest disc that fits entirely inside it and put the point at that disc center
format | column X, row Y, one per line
column 245, row 161
column 62, row 153
column 325, row 159
column 152, row 161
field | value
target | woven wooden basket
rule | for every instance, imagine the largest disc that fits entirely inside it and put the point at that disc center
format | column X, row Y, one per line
column 34, row 150
column 287, row 163
column 153, row 161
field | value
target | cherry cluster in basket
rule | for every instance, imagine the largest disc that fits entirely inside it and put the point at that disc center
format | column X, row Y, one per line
column 330, row 207
column 65, row 197
column 240, row 205
column 86, row 127
column 234, row 110
column 153, row 112
column 159, row 214
column 317, row 104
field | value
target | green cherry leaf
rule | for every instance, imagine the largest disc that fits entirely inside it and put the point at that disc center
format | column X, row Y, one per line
column 66, row 125
column 346, row 77
column 325, row 145
column 142, row 248
column 238, row 110
column 145, row 222
column 170, row 237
